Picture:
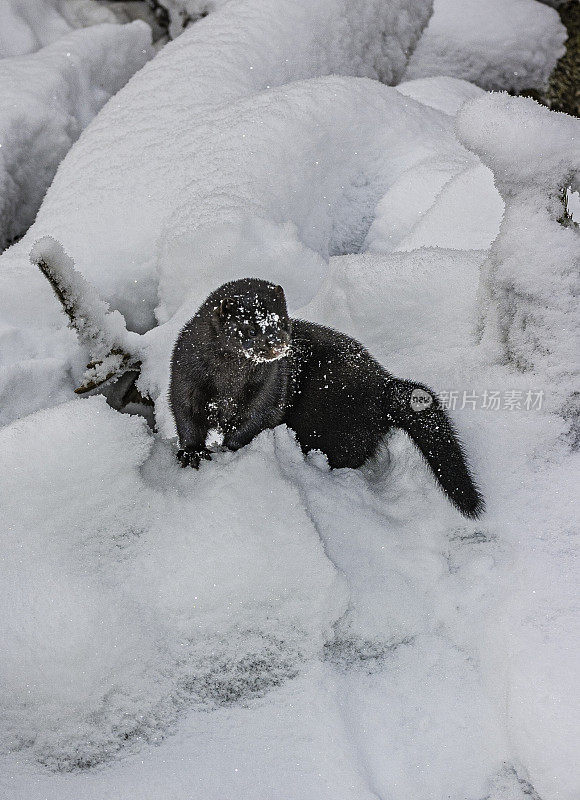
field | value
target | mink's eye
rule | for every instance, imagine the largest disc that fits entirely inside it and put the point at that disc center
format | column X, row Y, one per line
column 252, row 332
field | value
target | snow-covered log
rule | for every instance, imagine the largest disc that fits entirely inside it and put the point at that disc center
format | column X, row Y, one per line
column 112, row 349
column 530, row 312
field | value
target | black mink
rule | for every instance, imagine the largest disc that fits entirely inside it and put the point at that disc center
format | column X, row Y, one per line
column 242, row 365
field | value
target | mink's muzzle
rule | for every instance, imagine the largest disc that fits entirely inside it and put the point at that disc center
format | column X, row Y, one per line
column 269, row 347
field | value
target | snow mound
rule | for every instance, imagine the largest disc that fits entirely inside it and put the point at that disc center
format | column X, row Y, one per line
column 28, row 25
column 443, row 93
column 132, row 588
column 345, row 142
column 438, row 203
column 497, row 44
column 529, row 304
column 387, row 31
column 48, row 98
column 358, row 290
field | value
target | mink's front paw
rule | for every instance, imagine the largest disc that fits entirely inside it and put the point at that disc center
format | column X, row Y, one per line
column 191, row 458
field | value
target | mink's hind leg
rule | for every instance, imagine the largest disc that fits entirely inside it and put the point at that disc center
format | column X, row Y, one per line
column 346, row 443
column 189, row 457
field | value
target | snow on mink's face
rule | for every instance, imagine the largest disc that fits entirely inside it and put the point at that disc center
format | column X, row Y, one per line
column 253, row 326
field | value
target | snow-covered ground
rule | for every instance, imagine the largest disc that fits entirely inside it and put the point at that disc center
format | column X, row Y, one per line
column 265, row 629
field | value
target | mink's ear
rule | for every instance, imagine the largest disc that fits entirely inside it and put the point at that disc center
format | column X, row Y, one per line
column 227, row 306
column 222, row 311
column 280, row 298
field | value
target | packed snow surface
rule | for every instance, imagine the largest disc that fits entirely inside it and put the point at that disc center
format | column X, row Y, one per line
column 266, row 626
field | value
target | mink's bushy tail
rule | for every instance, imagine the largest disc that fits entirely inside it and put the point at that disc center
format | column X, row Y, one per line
column 416, row 410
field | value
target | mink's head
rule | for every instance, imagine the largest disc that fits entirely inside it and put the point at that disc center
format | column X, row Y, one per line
column 253, row 321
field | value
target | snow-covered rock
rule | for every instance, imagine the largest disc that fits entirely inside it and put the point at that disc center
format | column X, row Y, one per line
column 164, row 223
column 496, row 44
column 346, row 143
column 374, row 35
column 28, row 25
column 48, row 98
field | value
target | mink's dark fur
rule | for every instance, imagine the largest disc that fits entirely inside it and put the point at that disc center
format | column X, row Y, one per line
column 242, row 365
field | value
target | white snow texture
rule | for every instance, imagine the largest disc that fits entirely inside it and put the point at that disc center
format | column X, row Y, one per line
column 266, row 628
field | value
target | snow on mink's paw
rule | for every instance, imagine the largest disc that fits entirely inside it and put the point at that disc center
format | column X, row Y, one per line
column 192, row 458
